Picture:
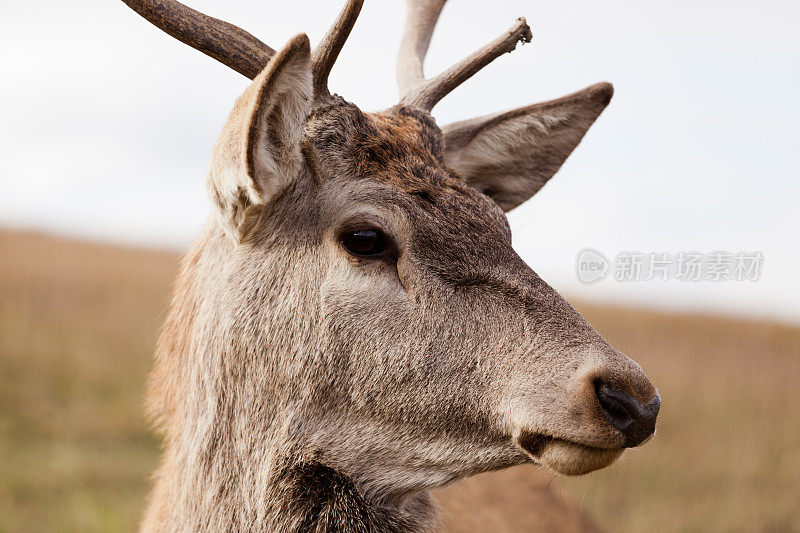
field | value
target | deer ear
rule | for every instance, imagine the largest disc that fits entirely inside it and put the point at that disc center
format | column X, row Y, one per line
column 258, row 154
column 510, row 156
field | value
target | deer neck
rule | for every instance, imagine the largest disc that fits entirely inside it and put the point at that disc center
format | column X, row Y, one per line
column 234, row 456
column 231, row 482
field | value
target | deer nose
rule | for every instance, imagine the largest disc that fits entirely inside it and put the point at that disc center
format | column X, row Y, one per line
column 626, row 414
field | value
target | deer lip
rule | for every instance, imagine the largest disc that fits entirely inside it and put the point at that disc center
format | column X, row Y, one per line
column 535, row 443
column 566, row 456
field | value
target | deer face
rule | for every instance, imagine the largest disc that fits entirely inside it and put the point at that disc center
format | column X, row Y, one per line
column 357, row 291
column 427, row 349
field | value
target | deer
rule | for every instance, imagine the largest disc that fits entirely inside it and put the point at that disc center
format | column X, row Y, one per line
column 352, row 328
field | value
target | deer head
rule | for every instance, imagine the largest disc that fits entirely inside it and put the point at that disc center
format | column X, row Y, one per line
column 355, row 302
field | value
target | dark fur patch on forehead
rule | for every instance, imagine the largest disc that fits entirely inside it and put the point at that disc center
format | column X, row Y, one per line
column 402, row 146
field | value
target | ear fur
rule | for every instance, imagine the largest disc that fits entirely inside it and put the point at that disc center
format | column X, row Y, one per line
column 510, row 156
column 258, row 154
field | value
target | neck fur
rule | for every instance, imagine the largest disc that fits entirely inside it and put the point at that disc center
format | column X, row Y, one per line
column 226, row 485
column 232, row 461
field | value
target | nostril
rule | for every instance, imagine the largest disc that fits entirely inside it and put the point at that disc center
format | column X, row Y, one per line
column 614, row 405
column 625, row 414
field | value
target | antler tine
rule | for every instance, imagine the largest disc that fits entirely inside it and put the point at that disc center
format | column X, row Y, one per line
column 420, row 21
column 326, row 52
column 228, row 44
column 418, row 92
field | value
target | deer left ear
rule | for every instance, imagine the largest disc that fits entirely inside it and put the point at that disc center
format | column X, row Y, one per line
column 510, row 156
column 258, row 155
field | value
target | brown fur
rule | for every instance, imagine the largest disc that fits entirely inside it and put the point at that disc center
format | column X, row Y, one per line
column 299, row 388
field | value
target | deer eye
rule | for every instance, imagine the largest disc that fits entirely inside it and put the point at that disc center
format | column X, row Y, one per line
column 364, row 243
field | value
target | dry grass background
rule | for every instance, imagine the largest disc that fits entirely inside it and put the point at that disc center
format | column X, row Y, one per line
column 77, row 327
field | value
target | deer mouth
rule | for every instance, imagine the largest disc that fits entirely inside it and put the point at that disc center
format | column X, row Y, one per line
column 567, row 457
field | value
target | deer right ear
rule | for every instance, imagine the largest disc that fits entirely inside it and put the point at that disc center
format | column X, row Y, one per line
column 258, row 153
column 510, row 156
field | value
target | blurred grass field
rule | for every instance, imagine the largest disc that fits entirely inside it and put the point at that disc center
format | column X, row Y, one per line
column 78, row 323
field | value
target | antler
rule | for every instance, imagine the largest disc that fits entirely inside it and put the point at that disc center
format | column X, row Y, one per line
column 228, row 44
column 418, row 92
column 326, row 52
column 236, row 48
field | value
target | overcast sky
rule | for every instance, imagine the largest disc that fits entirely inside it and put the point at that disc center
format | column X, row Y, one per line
column 106, row 126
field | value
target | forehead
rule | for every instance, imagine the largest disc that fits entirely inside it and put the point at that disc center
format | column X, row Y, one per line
column 401, row 147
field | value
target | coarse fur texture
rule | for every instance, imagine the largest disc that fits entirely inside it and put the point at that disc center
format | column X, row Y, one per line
column 300, row 387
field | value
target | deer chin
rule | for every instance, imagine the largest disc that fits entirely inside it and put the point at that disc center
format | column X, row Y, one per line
column 567, row 457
